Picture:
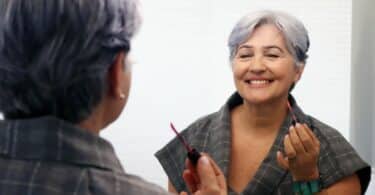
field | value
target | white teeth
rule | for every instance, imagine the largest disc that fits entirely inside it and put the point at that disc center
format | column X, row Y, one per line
column 258, row 81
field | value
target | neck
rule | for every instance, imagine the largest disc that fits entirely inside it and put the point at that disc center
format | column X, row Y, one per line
column 264, row 118
column 93, row 123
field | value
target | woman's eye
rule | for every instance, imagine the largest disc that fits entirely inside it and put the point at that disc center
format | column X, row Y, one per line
column 272, row 55
column 245, row 55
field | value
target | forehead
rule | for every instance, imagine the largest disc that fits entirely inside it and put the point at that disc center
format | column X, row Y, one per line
column 266, row 35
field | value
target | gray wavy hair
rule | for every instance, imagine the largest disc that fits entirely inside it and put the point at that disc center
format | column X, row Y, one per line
column 54, row 54
column 294, row 32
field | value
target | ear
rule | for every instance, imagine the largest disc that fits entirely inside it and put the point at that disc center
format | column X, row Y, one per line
column 115, row 75
column 299, row 70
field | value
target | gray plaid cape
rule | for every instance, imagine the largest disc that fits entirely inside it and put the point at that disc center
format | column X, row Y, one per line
column 47, row 156
column 211, row 134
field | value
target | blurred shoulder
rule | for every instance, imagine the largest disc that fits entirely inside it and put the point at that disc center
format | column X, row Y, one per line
column 133, row 184
column 105, row 182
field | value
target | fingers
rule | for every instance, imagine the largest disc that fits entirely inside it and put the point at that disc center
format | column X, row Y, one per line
column 305, row 138
column 212, row 180
column 218, row 173
column 289, row 149
column 204, row 178
column 193, row 170
column 190, row 181
column 183, row 193
column 302, row 151
column 312, row 135
column 282, row 161
column 206, row 172
column 295, row 140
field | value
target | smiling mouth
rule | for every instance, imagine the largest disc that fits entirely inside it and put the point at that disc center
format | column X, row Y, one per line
column 259, row 83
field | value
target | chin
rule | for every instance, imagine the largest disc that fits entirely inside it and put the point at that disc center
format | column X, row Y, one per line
column 259, row 99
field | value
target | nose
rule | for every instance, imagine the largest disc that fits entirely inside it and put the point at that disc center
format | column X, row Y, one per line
column 257, row 65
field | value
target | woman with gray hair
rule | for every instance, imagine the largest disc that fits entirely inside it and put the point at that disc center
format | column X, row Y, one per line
column 260, row 138
column 64, row 76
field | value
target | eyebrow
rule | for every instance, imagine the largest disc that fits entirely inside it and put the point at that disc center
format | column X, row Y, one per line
column 245, row 46
column 265, row 47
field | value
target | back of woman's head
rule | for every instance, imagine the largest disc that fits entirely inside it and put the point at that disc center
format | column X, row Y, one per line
column 54, row 54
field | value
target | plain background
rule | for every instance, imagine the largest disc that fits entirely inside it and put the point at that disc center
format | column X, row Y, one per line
column 362, row 110
column 182, row 71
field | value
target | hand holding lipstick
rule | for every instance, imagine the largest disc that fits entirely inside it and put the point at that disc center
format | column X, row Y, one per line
column 201, row 175
column 301, row 153
column 204, row 178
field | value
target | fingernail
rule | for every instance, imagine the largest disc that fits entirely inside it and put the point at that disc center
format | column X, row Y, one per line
column 298, row 125
column 204, row 160
column 291, row 128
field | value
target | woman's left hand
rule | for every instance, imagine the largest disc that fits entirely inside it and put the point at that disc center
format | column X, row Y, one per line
column 301, row 153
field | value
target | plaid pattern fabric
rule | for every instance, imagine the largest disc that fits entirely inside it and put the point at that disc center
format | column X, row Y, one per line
column 211, row 134
column 49, row 156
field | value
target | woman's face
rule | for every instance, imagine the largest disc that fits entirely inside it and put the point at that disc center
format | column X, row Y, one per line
column 263, row 68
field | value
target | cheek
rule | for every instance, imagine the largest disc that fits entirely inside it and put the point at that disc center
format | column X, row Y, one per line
column 284, row 71
column 238, row 71
column 294, row 74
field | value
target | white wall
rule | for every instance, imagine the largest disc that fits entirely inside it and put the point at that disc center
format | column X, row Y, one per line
column 363, row 71
column 182, row 70
column 362, row 109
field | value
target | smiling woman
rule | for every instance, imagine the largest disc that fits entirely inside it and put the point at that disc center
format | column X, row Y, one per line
column 253, row 138
column 263, row 68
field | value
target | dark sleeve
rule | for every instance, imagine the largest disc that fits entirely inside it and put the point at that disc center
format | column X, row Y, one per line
column 338, row 159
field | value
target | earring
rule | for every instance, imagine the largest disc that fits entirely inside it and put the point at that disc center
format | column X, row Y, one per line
column 122, row 96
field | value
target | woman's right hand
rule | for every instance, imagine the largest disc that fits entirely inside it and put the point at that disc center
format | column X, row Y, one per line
column 205, row 178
